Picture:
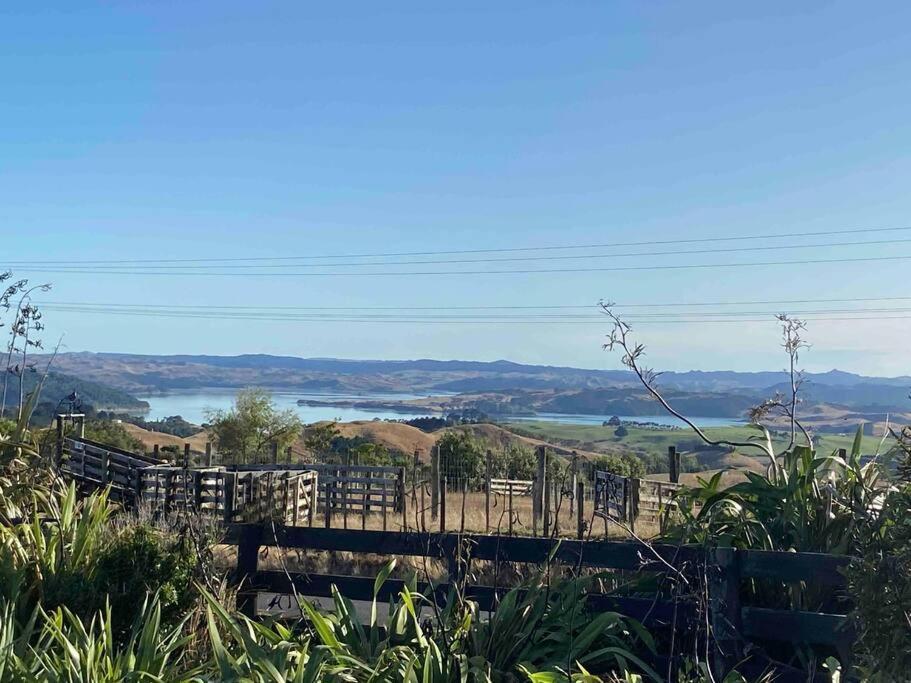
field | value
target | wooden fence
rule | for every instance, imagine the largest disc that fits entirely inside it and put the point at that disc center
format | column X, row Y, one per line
column 285, row 496
column 350, row 488
column 98, row 465
column 733, row 623
column 511, row 487
column 654, row 500
column 629, row 500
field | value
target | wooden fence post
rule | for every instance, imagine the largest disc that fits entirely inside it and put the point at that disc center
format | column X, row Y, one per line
column 673, row 458
column 546, row 505
column 330, row 495
column 155, row 452
column 296, row 502
column 229, row 484
column 314, row 498
column 274, row 452
column 59, row 439
column 168, row 494
column 509, row 488
column 580, row 515
column 197, row 490
column 247, row 562
column 365, row 488
column 724, row 602
column 289, row 454
column 186, row 456
column 632, row 510
column 443, row 505
column 537, row 498
column 487, row 493
column 434, row 482
column 137, row 488
column 345, row 492
column 208, row 460
column 575, row 478
column 403, row 501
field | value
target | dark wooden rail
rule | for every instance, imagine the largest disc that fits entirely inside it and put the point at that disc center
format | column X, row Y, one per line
column 733, row 623
column 287, row 497
column 352, row 488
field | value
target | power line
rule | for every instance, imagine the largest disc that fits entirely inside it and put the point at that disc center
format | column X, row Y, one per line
column 251, row 315
column 696, row 240
column 515, row 259
column 744, row 316
column 537, row 271
column 485, row 307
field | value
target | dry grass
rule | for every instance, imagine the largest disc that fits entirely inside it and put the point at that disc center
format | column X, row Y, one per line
column 149, row 438
column 406, row 439
column 475, row 518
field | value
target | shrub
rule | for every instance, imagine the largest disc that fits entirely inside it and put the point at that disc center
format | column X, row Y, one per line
column 880, row 584
column 141, row 560
column 624, row 465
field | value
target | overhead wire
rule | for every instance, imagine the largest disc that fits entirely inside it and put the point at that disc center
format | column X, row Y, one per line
column 589, row 306
column 690, row 240
column 537, row 271
column 512, row 259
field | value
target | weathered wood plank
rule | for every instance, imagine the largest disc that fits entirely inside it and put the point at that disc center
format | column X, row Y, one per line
column 361, row 588
column 606, row 554
column 813, row 628
column 815, row 567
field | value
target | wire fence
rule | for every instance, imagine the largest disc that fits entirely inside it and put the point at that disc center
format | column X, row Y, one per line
column 505, row 491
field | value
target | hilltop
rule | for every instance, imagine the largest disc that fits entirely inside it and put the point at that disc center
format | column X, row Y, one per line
column 521, row 387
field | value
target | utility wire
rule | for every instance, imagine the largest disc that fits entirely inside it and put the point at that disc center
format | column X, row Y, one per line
column 252, row 315
column 761, row 302
column 594, row 320
column 537, row 271
column 512, row 259
column 696, row 240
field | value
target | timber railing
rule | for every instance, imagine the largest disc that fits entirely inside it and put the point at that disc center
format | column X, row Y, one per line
column 733, row 623
column 284, row 496
column 358, row 489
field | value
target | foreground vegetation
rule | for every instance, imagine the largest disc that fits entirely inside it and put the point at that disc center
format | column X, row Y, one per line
column 90, row 592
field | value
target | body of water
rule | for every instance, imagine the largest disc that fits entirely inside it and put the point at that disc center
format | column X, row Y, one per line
column 663, row 420
column 193, row 406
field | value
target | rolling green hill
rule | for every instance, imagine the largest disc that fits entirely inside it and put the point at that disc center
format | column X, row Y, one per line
column 93, row 395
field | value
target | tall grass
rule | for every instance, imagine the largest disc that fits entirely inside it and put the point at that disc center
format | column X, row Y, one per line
column 804, row 502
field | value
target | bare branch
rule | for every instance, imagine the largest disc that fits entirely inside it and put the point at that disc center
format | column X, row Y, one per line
column 619, row 337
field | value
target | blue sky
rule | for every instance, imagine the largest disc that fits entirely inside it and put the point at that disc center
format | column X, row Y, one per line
column 228, row 130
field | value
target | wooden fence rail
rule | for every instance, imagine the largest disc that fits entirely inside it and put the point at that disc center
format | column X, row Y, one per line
column 353, row 488
column 732, row 622
column 287, row 497
column 515, row 487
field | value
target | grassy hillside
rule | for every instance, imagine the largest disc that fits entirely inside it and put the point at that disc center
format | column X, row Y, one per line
column 653, row 442
column 93, row 395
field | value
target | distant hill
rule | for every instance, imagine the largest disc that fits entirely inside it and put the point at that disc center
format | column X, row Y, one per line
column 59, row 385
column 721, row 393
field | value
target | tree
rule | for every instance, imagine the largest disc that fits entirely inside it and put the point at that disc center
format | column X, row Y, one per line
column 318, row 437
column 621, row 431
column 252, row 426
column 461, row 457
column 113, row 434
column 624, row 465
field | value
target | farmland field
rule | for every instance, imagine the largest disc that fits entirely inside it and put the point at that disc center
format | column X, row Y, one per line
column 654, row 441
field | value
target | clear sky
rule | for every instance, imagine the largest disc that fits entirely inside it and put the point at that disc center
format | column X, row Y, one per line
column 192, row 130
